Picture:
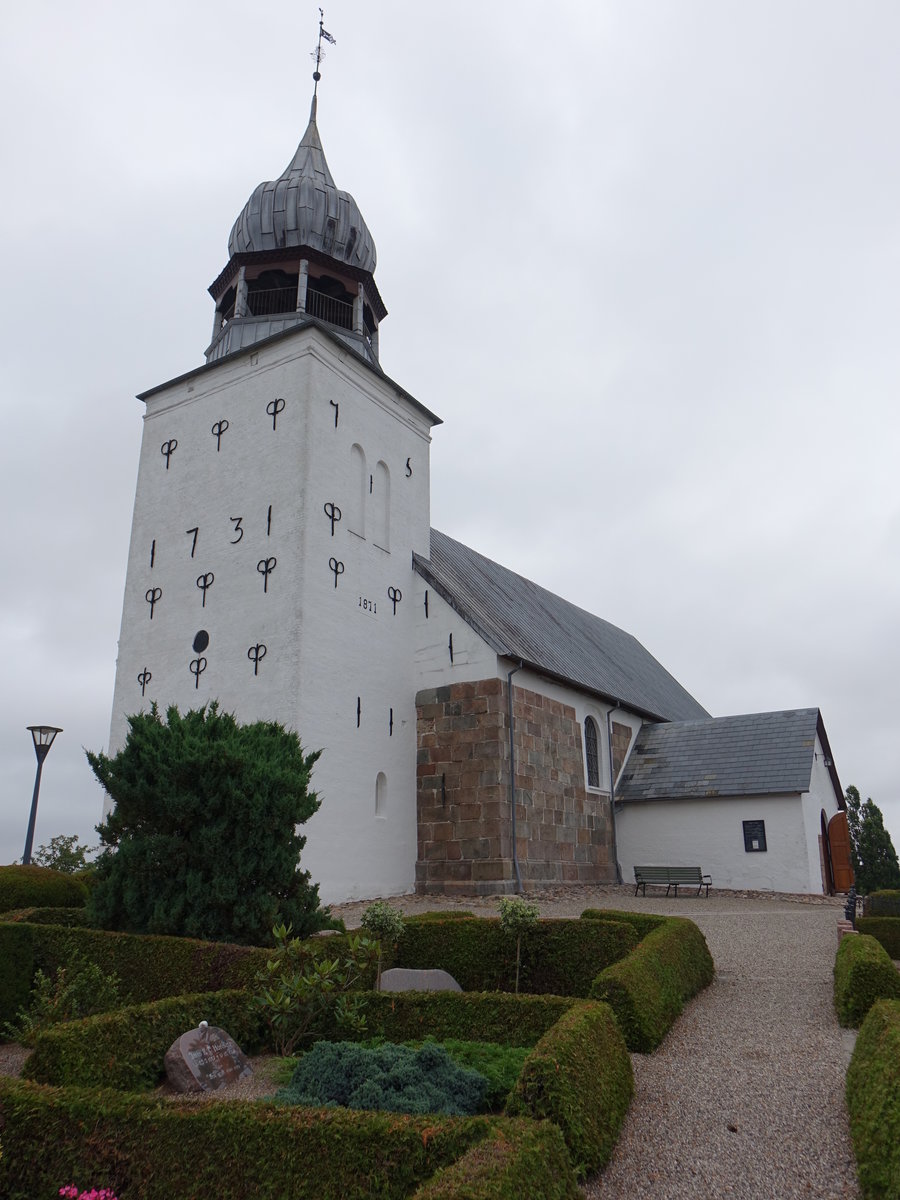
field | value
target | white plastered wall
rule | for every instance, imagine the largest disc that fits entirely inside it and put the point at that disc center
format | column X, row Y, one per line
column 337, row 666
column 709, row 834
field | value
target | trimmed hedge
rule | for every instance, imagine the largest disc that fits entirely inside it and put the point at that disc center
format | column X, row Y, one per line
column 648, row 989
column 71, row 917
column 17, row 957
column 643, row 923
column 39, row 887
column 885, row 930
column 863, row 973
column 885, row 903
column 559, row 957
column 579, row 1077
column 125, row 1049
column 521, row 1158
column 873, row 1101
column 155, row 1149
column 467, row 1016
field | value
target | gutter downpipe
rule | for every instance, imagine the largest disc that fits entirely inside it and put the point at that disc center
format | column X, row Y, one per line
column 612, row 790
column 512, row 774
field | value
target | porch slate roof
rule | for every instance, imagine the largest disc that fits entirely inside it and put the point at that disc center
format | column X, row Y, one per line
column 524, row 622
column 755, row 754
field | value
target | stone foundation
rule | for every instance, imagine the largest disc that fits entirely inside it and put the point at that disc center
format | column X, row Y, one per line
column 465, row 845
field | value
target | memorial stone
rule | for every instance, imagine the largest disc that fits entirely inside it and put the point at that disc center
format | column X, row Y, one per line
column 205, row 1059
column 403, row 979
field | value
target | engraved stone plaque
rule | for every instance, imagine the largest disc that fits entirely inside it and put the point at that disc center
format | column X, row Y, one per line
column 205, row 1059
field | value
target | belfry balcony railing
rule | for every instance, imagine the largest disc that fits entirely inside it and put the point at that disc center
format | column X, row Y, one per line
column 327, row 308
column 265, row 302
column 271, row 301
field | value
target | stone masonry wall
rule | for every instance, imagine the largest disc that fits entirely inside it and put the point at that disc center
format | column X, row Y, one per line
column 463, row 805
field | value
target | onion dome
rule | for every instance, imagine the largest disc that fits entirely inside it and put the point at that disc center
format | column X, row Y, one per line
column 304, row 207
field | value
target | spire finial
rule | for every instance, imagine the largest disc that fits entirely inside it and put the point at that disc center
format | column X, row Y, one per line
column 318, row 55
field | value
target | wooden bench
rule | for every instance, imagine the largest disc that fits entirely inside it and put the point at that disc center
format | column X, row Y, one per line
column 671, row 877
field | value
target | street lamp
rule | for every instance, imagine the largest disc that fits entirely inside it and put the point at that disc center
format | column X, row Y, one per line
column 43, row 736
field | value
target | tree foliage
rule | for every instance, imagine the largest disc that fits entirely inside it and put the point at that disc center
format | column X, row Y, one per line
column 63, row 854
column 872, row 852
column 202, row 841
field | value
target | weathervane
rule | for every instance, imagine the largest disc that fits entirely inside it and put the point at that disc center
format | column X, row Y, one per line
column 319, row 54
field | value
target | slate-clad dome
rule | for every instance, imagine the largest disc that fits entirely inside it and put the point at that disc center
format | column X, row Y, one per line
column 303, row 207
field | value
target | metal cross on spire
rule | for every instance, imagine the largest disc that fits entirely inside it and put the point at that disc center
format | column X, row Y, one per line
column 319, row 54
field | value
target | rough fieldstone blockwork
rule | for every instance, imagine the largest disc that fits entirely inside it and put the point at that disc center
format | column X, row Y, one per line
column 621, row 740
column 464, row 825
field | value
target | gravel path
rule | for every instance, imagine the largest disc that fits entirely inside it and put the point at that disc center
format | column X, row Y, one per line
column 745, row 1097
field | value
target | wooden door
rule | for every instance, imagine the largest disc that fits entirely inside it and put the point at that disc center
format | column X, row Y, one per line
column 839, row 842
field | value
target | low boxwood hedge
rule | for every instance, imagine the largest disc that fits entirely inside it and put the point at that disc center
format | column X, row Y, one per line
column 70, row 917
column 885, row 903
column 873, row 1101
column 648, row 989
column 519, row 1159
column 39, row 887
column 885, row 930
column 156, row 1149
column 17, row 958
column 579, row 1077
column 125, row 1049
column 863, row 973
column 643, row 923
column 559, row 957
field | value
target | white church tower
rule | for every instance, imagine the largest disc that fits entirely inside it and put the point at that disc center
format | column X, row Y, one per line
column 282, row 491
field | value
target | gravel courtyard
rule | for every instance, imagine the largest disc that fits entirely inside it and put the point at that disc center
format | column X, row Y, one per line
column 745, row 1097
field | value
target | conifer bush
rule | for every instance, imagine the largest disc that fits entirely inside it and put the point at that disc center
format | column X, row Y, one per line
column 385, row 1078
column 202, row 841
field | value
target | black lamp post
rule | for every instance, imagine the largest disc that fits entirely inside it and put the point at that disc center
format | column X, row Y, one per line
column 42, row 736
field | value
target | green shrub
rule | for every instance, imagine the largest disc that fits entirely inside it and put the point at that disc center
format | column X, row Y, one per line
column 296, row 991
column 873, row 1101
column 522, row 1159
column 79, row 989
column 225, row 783
column 500, row 1066
column 648, row 989
column 125, row 1049
column 141, row 1147
column 863, row 973
column 559, row 957
column 39, row 887
column 883, row 904
column 885, row 930
column 386, row 1078
column 384, row 923
column 17, row 957
column 579, row 1077
column 72, row 918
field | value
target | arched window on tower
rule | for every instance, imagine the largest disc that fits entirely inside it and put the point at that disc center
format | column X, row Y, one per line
column 381, row 502
column 381, row 794
column 592, row 752
column 359, row 486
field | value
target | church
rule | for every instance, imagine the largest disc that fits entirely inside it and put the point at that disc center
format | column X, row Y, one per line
column 479, row 734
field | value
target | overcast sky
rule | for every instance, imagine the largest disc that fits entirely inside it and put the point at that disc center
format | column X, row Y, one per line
column 641, row 257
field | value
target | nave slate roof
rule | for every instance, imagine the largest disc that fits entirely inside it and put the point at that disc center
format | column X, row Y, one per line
column 525, row 622
column 757, row 754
